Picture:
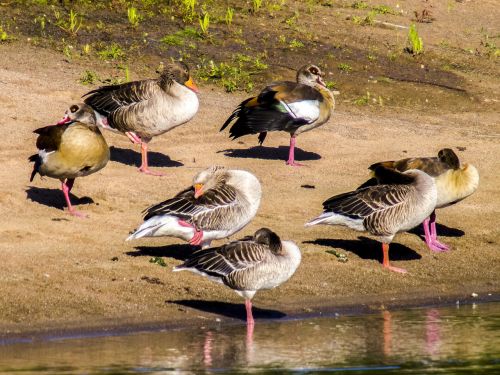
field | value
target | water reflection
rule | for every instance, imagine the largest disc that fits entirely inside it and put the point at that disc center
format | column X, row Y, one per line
column 410, row 340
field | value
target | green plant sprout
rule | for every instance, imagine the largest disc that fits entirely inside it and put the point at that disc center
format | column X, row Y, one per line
column 229, row 16
column 205, row 23
column 416, row 43
column 256, row 4
column 133, row 16
column 72, row 25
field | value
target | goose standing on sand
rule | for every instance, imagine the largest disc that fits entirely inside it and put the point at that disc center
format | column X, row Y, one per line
column 294, row 107
column 73, row 148
column 248, row 265
column 220, row 202
column 453, row 182
column 383, row 210
column 145, row 109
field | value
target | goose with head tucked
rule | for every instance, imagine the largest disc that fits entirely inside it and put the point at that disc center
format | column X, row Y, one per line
column 73, row 148
column 403, row 202
column 219, row 203
column 454, row 182
column 294, row 107
column 254, row 263
column 145, row 109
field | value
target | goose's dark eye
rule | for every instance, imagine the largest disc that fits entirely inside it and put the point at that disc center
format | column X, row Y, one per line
column 314, row 71
column 73, row 108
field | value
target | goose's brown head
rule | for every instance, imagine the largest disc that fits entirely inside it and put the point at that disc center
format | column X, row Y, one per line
column 448, row 156
column 179, row 72
column 310, row 75
column 208, row 179
column 266, row 236
column 79, row 112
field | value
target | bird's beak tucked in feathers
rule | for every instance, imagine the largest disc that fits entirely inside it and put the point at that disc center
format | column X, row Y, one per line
column 64, row 120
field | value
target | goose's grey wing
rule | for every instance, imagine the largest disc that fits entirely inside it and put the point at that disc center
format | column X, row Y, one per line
column 223, row 261
column 212, row 210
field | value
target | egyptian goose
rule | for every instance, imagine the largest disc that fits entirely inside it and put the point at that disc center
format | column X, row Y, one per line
column 247, row 265
column 383, row 210
column 294, row 107
column 220, row 202
column 73, row 148
column 145, row 109
column 453, row 182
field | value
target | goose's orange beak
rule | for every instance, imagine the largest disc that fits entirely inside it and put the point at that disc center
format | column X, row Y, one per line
column 198, row 190
column 190, row 84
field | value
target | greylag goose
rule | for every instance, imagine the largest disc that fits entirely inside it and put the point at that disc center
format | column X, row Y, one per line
column 145, row 109
column 453, row 182
column 220, row 202
column 73, row 148
column 383, row 210
column 248, row 265
column 294, row 107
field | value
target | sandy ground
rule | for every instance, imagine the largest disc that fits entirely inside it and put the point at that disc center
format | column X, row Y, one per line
column 62, row 272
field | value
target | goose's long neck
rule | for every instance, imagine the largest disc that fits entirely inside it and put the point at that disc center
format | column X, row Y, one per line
column 248, row 187
column 457, row 184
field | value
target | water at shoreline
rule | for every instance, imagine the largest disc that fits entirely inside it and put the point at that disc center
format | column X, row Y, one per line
column 445, row 340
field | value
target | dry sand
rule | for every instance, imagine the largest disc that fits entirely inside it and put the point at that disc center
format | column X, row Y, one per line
column 60, row 272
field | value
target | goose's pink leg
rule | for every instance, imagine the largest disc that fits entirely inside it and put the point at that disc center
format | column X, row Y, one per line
column 248, row 306
column 291, row 154
column 431, row 236
column 197, row 236
column 434, row 234
column 66, row 187
column 144, row 168
column 134, row 138
column 385, row 262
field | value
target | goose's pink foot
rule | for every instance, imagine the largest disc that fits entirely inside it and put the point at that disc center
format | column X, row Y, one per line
column 66, row 187
column 197, row 236
column 291, row 154
column 146, row 170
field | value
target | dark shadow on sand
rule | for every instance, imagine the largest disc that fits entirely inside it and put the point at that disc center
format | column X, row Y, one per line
column 366, row 248
column 230, row 310
column 131, row 157
column 270, row 153
column 54, row 197
column 178, row 251
column 442, row 230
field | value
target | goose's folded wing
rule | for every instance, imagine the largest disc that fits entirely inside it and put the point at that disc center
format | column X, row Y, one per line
column 107, row 99
column 50, row 136
column 220, row 262
column 430, row 165
column 206, row 211
column 361, row 203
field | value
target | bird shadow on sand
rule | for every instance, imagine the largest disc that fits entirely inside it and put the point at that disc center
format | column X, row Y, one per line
column 230, row 310
column 177, row 251
column 269, row 153
column 131, row 157
column 366, row 248
column 54, row 197
column 442, row 230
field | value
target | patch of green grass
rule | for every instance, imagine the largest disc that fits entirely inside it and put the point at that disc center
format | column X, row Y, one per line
column 256, row 4
column 159, row 261
column 330, row 85
column 179, row 37
column 367, row 20
column 359, row 5
column 363, row 100
column 416, row 46
column 294, row 43
column 344, row 67
column 89, row 78
column 342, row 258
column 4, row 37
column 383, row 9
column 187, row 9
column 111, row 52
column 172, row 40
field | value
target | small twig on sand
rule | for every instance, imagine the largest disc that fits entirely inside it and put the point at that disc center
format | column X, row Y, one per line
column 390, row 24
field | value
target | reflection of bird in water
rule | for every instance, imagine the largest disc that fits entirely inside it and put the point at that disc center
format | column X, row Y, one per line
column 387, row 330
column 207, row 349
column 432, row 331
